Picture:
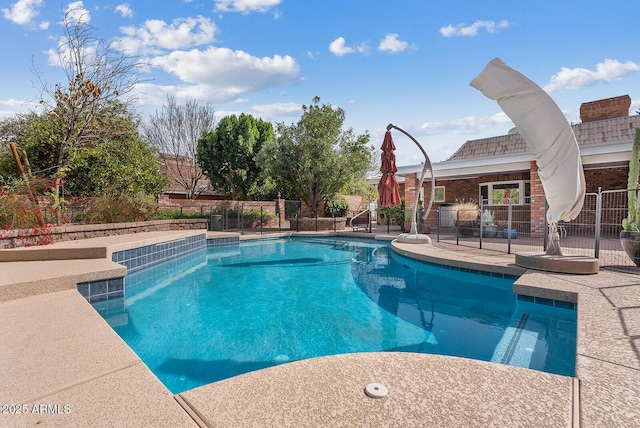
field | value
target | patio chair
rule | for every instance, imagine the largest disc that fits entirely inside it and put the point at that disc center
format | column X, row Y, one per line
column 562, row 231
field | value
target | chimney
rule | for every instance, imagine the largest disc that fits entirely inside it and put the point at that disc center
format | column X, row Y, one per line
column 608, row 108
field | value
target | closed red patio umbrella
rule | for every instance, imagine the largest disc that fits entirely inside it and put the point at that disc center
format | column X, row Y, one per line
column 388, row 189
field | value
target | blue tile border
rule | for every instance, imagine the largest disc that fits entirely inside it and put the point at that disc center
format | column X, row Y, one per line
column 139, row 258
column 135, row 259
column 103, row 289
column 220, row 242
column 546, row 301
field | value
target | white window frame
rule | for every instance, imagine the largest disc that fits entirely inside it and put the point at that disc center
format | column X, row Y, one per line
column 523, row 198
column 435, row 194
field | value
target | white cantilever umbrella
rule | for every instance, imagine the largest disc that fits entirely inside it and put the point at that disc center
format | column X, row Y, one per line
column 548, row 136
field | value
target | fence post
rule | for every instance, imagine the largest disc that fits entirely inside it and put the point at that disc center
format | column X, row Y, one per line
column 509, row 227
column 261, row 224
column 481, row 226
column 598, row 222
column 545, row 234
column 456, row 227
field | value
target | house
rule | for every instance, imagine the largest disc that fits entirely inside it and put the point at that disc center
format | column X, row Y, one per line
column 491, row 169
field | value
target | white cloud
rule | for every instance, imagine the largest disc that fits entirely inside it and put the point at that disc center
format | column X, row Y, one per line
column 76, row 12
column 22, row 11
column 465, row 125
column 576, row 78
column 472, row 30
column 124, row 10
column 233, row 72
column 156, row 35
column 338, row 47
column 246, row 6
column 278, row 110
column 392, row 44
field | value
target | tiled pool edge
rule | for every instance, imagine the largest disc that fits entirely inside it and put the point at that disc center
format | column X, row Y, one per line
column 145, row 256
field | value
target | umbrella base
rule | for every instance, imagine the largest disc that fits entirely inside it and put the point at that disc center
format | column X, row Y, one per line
column 413, row 238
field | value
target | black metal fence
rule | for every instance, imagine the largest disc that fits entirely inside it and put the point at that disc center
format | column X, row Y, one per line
column 595, row 232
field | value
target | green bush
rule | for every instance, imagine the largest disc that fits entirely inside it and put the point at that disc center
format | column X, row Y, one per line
column 17, row 211
column 121, row 209
column 255, row 214
column 336, row 207
column 175, row 214
column 396, row 214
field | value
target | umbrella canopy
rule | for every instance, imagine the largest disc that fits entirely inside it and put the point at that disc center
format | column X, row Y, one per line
column 548, row 135
column 388, row 189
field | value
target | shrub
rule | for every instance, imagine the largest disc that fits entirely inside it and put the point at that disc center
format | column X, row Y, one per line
column 255, row 214
column 396, row 215
column 122, row 208
column 175, row 214
column 336, row 207
column 17, row 210
column 487, row 218
column 464, row 211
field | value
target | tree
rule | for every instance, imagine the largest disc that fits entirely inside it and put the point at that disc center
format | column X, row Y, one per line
column 228, row 155
column 119, row 162
column 315, row 158
column 98, row 75
column 124, row 164
column 175, row 131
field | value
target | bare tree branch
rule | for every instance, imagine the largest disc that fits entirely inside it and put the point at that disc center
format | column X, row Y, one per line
column 175, row 131
column 98, row 76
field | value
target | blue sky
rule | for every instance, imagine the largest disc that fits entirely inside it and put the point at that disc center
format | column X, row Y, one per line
column 406, row 62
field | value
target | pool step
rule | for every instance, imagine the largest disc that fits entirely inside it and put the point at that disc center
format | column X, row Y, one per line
column 517, row 344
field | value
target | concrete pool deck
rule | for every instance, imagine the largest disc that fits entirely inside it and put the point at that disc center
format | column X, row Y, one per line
column 64, row 366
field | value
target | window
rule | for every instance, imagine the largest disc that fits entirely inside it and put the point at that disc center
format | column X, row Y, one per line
column 500, row 192
column 438, row 196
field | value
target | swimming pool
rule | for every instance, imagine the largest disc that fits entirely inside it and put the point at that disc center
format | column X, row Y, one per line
column 224, row 311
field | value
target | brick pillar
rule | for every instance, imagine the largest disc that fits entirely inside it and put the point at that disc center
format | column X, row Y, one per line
column 410, row 188
column 537, row 202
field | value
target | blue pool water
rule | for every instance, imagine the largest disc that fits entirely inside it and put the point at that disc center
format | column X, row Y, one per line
column 223, row 311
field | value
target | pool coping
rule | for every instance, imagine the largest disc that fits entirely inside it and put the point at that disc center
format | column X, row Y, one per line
column 605, row 391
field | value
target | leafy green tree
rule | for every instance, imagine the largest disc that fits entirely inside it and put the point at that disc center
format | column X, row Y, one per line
column 315, row 158
column 98, row 76
column 361, row 187
column 117, row 162
column 336, row 207
column 228, row 155
column 127, row 165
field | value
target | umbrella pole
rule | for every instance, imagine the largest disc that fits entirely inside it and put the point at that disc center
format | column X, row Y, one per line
column 427, row 165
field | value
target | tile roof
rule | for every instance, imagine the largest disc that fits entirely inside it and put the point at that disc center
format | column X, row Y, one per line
column 610, row 131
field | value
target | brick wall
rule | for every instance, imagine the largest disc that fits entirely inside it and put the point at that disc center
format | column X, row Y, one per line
column 537, row 203
column 608, row 178
column 203, row 205
column 608, row 108
column 13, row 238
